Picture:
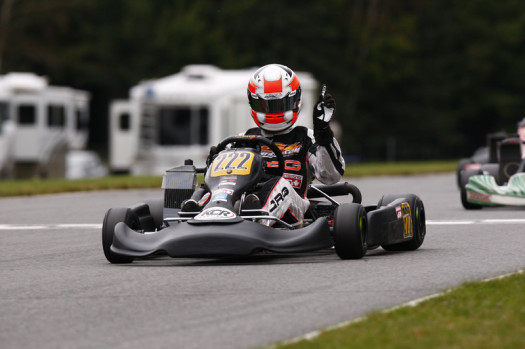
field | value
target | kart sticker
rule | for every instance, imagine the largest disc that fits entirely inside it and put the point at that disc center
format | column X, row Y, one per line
column 399, row 214
column 215, row 213
column 232, row 163
column 203, row 200
column 221, row 194
column 295, row 180
column 228, row 181
column 408, row 230
column 220, row 197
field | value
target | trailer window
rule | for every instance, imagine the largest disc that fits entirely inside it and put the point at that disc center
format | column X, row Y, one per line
column 26, row 114
column 56, row 116
column 82, row 122
column 3, row 114
column 124, row 121
column 182, row 126
column 203, row 126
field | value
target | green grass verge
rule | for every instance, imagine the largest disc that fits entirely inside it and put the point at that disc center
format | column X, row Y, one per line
column 474, row 315
column 51, row 186
column 36, row 187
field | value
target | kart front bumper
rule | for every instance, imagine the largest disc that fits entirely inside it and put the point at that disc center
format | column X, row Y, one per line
column 220, row 240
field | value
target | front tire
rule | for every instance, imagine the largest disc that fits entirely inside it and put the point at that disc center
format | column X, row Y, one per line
column 349, row 232
column 464, row 178
column 112, row 217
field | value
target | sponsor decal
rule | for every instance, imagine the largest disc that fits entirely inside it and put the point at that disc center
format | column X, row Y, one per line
column 286, row 149
column 398, row 212
column 228, row 181
column 221, row 194
column 215, row 213
column 205, row 198
column 475, row 196
column 295, row 180
column 278, row 198
column 290, row 165
column 219, row 197
column 223, row 190
column 408, row 230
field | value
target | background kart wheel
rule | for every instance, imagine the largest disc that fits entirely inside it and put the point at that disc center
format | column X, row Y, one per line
column 464, row 177
column 112, row 217
column 417, row 210
column 461, row 164
column 350, row 227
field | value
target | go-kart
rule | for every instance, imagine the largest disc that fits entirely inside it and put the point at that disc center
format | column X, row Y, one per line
column 226, row 227
column 479, row 182
column 483, row 190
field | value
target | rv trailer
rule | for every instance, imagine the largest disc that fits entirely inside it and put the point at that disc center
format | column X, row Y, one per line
column 49, row 121
column 178, row 117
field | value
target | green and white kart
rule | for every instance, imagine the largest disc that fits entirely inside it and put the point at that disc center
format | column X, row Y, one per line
column 482, row 190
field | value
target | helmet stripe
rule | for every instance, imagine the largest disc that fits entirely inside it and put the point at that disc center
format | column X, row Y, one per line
column 254, row 116
column 295, row 83
column 252, row 86
column 273, row 86
column 275, row 118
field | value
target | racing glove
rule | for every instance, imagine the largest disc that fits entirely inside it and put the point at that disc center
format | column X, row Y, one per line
column 211, row 155
column 324, row 110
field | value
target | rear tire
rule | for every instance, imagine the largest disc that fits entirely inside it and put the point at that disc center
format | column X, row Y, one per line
column 112, row 217
column 417, row 210
column 349, row 232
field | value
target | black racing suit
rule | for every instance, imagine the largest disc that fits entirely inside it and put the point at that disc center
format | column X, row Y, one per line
column 304, row 160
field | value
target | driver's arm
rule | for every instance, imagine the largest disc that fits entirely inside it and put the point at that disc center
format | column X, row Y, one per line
column 326, row 162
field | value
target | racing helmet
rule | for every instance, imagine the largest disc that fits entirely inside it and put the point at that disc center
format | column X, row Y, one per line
column 274, row 94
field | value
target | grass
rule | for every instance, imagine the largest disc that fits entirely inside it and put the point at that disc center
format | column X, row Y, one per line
column 51, row 186
column 475, row 315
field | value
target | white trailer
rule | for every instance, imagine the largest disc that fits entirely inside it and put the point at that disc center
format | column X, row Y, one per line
column 49, row 121
column 6, row 138
column 178, row 117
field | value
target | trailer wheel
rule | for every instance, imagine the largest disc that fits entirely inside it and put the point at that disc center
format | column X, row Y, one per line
column 349, row 232
column 417, row 210
column 112, row 217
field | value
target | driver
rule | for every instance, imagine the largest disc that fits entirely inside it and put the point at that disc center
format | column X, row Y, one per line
column 274, row 95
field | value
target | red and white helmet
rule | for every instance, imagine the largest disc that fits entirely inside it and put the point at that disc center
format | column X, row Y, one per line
column 274, row 94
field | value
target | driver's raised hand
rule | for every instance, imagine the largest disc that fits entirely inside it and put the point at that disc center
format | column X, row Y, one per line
column 324, row 110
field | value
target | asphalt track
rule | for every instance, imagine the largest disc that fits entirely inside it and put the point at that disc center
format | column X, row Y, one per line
column 58, row 291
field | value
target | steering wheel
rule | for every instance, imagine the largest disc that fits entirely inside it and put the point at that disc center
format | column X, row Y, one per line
column 254, row 141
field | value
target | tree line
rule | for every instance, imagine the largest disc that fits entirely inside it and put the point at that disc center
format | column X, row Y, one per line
column 413, row 79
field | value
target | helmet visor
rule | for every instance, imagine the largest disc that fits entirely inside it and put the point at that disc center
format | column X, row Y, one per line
column 273, row 106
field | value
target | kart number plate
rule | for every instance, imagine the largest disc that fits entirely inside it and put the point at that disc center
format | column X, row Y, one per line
column 232, row 163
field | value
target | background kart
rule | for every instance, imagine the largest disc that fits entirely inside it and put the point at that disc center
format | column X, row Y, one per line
column 482, row 190
column 225, row 228
column 487, row 154
column 503, row 157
